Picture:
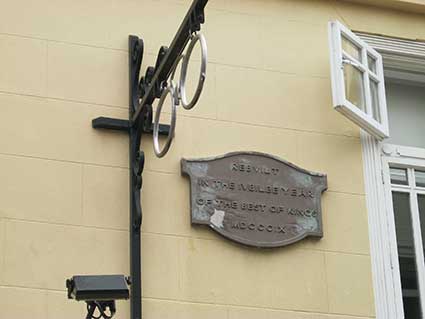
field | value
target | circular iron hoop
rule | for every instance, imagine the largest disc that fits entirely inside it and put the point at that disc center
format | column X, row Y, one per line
column 176, row 64
column 182, row 86
column 171, row 81
column 167, row 90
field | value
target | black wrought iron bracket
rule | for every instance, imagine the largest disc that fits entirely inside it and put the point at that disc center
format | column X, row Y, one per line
column 142, row 93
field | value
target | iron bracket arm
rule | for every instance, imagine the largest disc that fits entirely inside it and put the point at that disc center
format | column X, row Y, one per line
column 109, row 123
column 167, row 57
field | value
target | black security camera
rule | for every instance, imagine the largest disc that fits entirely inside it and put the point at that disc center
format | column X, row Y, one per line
column 99, row 292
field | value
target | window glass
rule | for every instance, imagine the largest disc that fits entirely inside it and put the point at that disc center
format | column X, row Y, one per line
column 406, row 255
column 420, row 178
column 354, row 88
column 421, row 205
column 398, row 176
column 371, row 62
column 406, row 113
column 350, row 48
column 375, row 100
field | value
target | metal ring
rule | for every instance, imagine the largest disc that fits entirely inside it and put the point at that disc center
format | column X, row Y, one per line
column 176, row 64
column 171, row 80
column 158, row 152
column 182, row 89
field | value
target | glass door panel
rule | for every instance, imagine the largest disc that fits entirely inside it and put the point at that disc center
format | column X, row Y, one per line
column 406, row 255
column 421, row 207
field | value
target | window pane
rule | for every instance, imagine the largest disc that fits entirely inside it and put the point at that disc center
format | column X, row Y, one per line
column 371, row 62
column 406, row 113
column 406, row 255
column 420, row 178
column 350, row 48
column 421, row 205
column 354, row 87
column 398, row 176
column 375, row 100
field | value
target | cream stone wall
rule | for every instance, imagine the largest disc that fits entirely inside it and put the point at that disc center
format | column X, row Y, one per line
column 415, row 6
column 64, row 185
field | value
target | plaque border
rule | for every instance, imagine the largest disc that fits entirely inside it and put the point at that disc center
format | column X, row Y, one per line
column 244, row 241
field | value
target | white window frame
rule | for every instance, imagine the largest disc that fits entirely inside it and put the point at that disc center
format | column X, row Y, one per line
column 409, row 158
column 397, row 54
column 338, row 58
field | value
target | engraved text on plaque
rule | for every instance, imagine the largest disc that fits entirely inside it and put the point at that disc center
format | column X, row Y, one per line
column 255, row 199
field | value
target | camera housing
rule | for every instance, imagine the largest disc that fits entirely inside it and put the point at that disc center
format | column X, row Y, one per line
column 98, row 288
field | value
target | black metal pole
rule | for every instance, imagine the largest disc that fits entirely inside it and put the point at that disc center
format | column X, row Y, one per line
column 142, row 93
column 136, row 163
column 135, row 233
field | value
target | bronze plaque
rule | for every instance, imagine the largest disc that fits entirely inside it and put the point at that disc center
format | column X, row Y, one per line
column 255, row 199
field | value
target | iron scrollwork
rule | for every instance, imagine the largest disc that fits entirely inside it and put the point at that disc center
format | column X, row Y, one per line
column 156, row 83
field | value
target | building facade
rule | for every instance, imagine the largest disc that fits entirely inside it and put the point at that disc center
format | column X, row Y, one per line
column 64, row 186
